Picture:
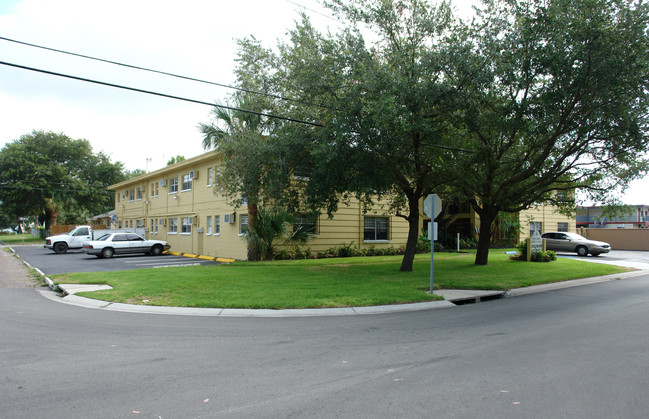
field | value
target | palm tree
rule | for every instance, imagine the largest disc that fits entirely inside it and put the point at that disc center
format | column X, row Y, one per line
column 272, row 225
column 241, row 132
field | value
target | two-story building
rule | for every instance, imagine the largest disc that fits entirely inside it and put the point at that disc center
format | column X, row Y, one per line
column 183, row 205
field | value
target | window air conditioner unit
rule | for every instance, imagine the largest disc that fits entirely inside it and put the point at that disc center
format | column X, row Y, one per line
column 164, row 221
column 193, row 174
column 229, row 218
column 163, row 182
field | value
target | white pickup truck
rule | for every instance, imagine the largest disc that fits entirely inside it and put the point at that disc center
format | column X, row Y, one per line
column 76, row 238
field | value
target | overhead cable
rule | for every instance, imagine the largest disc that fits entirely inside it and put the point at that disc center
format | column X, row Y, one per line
column 119, row 86
column 159, row 72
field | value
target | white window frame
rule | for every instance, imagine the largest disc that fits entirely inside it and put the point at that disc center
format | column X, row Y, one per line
column 173, row 225
column 131, row 195
column 173, row 185
column 208, row 227
column 217, row 225
column 187, row 183
column 186, row 225
column 375, row 239
column 210, row 176
column 243, row 230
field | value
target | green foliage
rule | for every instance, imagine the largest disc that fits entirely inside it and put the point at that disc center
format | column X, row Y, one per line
column 271, row 226
column 43, row 174
column 130, row 174
column 541, row 88
column 175, row 159
column 537, row 256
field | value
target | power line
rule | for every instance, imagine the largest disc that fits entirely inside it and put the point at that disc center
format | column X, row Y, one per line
column 159, row 72
column 119, row 86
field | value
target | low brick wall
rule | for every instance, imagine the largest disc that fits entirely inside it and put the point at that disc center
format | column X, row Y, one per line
column 620, row 238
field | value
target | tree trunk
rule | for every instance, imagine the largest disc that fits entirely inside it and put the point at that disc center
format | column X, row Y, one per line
column 253, row 216
column 484, row 240
column 413, row 233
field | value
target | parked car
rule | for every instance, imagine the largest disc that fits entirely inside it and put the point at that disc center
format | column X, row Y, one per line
column 573, row 242
column 122, row 243
column 76, row 238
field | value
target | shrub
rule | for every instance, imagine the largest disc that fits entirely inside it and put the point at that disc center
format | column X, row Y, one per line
column 537, row 256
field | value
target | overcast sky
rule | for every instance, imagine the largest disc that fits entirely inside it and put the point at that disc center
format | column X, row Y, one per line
column 194, row 38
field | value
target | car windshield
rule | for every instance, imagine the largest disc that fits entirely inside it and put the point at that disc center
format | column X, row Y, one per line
column 103, row 238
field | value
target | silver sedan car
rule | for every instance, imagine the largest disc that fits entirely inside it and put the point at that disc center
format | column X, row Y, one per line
column 123, row 243
column 573, row 242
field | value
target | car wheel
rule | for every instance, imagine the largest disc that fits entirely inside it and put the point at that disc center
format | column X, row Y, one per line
column 156, row 250
column 107, row 252
column 60, row 247
column 582, row 250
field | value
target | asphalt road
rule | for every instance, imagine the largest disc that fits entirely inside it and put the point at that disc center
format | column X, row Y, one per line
column 581, row 352
column 76, row 261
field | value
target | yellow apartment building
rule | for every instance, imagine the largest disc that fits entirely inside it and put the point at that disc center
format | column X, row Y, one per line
column 462, row 219
column 183, row 205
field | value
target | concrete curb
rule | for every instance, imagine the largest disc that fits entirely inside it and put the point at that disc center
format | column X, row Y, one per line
column 456, row 295
column 516, row 292
column 234, row 312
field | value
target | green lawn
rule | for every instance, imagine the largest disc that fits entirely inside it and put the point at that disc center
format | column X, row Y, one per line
column 20, row 239
column 342, row 282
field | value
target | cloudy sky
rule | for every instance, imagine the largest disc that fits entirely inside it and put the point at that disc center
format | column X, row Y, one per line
column 194, row 38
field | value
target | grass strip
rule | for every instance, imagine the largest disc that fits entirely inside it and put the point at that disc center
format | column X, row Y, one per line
column 20, row 239
column 343, row 282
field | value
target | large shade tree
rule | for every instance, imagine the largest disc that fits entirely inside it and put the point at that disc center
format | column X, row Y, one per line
column 44, row 173
column 554, row 97
column 377, row 108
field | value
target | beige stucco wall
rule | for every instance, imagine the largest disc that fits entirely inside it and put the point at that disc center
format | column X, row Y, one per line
column 620, row 239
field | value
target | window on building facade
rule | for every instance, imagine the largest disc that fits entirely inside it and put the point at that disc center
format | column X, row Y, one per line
column 131, row 196
column 173, row 185
column 305, row 222
column 139, row 223
column 119, row 224
column 117, row 197
column 187, row 182
column 243, row 223
column 153, row 226
column 535, row 226
column 173, row 225
column 209, row 225
column 375, row 228
column 562, row 226
column 140, row 191
column 154, row 189
column 210, row 176
column 186, row 227
column 217, row 224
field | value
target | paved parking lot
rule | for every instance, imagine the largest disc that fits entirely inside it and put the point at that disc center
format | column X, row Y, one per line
column 76, row 261
column 637, row 259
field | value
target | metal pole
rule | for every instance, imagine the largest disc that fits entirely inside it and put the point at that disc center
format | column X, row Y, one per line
column 431, row 233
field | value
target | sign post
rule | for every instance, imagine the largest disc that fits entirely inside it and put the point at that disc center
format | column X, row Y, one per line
column 432, row 208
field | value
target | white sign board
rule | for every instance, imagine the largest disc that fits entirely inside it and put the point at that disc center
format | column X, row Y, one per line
column 432, row 231
column 432, row 206
column 537, row 241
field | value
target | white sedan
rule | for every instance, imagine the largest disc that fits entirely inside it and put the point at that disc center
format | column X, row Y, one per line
column 122, row 243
